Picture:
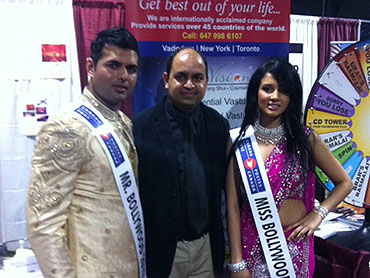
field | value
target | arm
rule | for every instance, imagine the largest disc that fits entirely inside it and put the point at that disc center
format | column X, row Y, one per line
column 56, row 160
column 233, row 217
column 335, row 172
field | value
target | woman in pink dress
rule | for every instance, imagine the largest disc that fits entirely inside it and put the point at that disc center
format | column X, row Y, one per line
column 289, row 151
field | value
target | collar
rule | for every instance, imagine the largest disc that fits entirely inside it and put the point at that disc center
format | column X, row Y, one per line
column 106, row 112
column 178, row 114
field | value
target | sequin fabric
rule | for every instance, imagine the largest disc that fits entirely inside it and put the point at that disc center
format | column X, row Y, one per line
column 59, row 149
column 287, row 181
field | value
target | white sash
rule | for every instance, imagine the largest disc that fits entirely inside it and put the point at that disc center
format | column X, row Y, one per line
column 123, row 175
column 262, row 204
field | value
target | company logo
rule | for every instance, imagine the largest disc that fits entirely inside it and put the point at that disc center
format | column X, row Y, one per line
column 237, row 77
column 105, row 136
column 249, row 163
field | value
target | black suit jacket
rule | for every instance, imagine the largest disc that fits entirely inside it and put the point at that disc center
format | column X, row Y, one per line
column 159, row 185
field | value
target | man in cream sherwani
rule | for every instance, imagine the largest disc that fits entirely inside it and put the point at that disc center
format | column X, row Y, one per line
column 76, row 221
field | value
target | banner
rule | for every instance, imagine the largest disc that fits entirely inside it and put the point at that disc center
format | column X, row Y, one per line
column 236, row 36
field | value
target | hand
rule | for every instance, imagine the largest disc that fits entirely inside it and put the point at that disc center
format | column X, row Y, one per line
column 305, row 227
column 242, row 274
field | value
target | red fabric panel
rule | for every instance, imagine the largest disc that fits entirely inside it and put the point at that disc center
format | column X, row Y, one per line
column 91, row 17
column 333, row 30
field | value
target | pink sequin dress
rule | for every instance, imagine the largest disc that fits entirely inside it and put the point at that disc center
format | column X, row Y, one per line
column 287, row 181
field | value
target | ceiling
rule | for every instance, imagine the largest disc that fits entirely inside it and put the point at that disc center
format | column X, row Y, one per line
column 355, row 9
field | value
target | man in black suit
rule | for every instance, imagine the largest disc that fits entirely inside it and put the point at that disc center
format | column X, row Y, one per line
column 181, row 148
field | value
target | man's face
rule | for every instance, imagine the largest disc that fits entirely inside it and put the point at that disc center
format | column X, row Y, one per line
column 187, row 81
column 113, row 79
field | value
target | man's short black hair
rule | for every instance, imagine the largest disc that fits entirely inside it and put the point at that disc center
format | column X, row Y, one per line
column 118, row 37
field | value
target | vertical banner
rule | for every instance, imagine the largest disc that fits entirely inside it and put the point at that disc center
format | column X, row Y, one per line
column 236, row 36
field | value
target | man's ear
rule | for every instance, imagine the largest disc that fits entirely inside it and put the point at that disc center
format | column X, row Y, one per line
column 90, row 68
column 165, row 80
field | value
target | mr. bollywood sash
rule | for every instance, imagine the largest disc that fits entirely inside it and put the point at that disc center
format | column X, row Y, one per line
column 262, row 204
column 123, row 175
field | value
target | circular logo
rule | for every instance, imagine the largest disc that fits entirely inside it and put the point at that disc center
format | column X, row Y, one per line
column 249, row 163
column 237, row 77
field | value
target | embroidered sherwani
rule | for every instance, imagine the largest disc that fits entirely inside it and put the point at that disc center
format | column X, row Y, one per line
column 76, row 222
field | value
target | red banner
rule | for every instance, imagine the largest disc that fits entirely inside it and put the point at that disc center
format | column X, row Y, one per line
column 209, row 21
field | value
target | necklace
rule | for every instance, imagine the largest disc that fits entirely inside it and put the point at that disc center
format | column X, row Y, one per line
column 268, row 135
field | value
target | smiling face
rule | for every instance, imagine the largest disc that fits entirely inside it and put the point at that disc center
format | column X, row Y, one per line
column 187, row 81
column 271, row 102
column 113, row 79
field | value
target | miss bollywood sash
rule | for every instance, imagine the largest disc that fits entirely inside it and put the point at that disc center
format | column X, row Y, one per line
column 123, row 175
column 262, row 204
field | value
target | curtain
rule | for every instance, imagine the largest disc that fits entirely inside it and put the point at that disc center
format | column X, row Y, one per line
column 333, row 260
column 90, row 17
column 303, row 29
column 26, row 77
column 330, row 29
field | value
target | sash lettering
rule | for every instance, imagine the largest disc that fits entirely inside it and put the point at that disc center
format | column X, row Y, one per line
column 262, row 204
column 123, row 175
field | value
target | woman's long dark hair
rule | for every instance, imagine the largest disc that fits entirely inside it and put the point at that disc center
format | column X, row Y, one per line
column 289, row 83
